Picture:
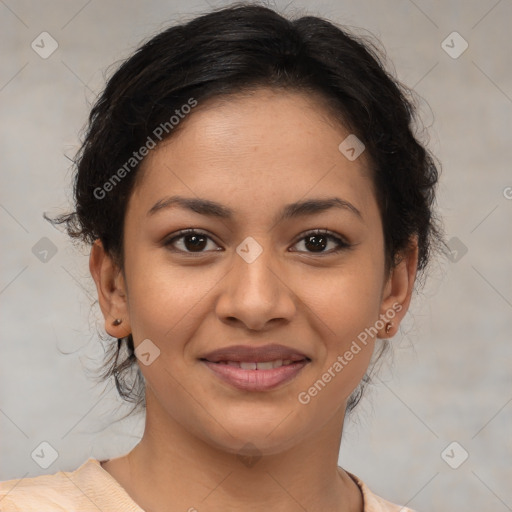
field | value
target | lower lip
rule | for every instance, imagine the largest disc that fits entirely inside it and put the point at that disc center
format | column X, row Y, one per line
column 256, row 380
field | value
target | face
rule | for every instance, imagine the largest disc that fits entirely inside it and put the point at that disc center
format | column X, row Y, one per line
column 250, row 275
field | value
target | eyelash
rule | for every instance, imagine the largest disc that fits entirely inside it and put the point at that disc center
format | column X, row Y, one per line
column 342, row 245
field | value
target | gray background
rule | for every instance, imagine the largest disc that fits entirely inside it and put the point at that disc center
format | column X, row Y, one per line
column 450, row 379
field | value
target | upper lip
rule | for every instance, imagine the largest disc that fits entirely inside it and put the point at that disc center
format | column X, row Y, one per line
column 252, row 354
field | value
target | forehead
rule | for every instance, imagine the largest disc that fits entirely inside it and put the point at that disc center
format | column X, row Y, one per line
column 255, row 150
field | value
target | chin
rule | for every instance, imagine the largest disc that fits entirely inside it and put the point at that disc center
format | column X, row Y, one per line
column 253, row 437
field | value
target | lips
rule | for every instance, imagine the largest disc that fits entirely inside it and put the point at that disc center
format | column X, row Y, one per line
column 256, row 368
column 250, row 354
column 259, row 365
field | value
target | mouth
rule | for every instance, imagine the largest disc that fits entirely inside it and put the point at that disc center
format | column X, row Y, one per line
column 256, row 369
column 258, row 365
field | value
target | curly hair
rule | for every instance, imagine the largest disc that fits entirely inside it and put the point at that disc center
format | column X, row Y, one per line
column 233, row 50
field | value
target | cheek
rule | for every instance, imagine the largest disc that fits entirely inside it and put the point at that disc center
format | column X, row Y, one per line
column 347, row 351
column 349, row 308
column 166, row 301
column 349, row 299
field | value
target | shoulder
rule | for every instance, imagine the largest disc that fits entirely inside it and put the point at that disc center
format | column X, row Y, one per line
column 374, row 503
column 42, row 492
column 84, row 489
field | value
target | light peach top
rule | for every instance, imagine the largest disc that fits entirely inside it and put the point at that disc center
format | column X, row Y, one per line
column 90, row 488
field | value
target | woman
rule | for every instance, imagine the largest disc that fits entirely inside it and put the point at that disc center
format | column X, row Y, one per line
column 259, row 211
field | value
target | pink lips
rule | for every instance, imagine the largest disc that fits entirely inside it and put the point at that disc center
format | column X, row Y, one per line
column 223, row 363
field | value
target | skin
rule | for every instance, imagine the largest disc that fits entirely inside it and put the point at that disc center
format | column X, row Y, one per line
column 254, row 154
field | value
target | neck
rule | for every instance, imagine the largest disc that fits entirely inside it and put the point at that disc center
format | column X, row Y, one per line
column 173, row 467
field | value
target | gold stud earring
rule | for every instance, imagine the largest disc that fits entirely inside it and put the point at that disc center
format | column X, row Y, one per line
column 389, row 325
column 117, row 321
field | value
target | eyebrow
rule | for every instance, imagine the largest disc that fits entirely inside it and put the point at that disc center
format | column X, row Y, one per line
column 214, row 209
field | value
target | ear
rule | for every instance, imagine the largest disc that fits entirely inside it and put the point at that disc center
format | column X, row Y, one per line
column 111, row 289
column 398, row 289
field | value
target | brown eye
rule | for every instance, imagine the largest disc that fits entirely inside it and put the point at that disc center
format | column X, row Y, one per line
column 191, row 241
column 318, row 240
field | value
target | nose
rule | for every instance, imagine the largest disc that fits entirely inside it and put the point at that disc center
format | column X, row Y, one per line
column 257, row 293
